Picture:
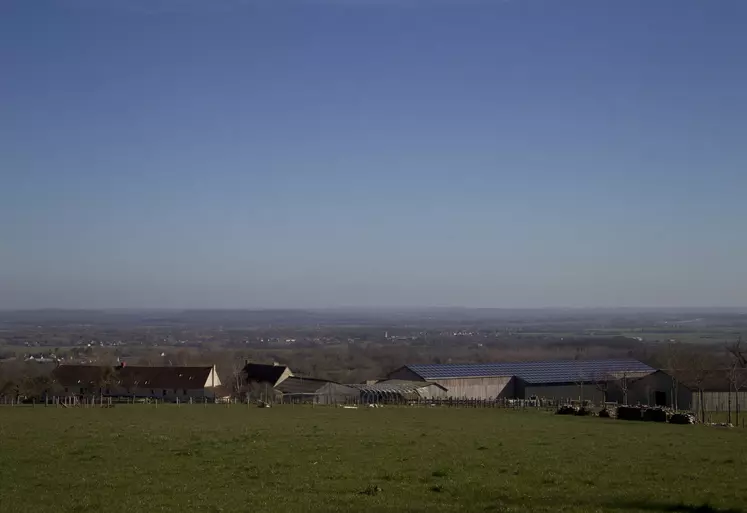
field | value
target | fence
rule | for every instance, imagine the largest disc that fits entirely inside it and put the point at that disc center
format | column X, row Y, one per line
column 69, row 401
column 294, row 399
column 447, row 402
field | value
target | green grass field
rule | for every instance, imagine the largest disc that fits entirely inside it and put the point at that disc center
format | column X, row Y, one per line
column 234, row 458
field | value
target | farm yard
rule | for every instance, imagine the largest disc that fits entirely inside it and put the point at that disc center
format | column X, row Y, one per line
column 218, row 458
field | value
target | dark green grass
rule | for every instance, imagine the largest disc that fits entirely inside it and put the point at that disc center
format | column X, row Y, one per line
column 234, row 458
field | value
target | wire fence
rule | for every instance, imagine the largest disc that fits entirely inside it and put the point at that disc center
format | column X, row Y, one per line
column 722, row 411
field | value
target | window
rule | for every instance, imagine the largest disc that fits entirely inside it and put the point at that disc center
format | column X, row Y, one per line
column 185, row 391
column 66, row 390
column 152, row 392
column 164, row 393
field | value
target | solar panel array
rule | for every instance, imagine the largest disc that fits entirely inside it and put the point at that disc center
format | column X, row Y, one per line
column 563, row 371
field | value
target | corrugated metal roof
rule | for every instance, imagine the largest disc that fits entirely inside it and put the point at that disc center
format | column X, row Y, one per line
column 264, row 373
column 561, row 371
column 300, row 385
column 393, row 386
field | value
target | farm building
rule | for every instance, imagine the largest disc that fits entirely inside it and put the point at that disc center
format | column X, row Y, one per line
column 718, row 394
column 655, row 389
column 272, row 375
column 396, row 391
column 296, row 389
column 166, row 383
column 563, row 379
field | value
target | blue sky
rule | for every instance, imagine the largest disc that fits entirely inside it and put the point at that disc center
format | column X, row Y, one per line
column 518, row 153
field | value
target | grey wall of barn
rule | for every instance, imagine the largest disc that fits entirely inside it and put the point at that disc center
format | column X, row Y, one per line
column 405, row 374
column 562, row 391
column 643, row 391
column 719, row 401
column 432, row 392
column 478, row 388
column 334, row 393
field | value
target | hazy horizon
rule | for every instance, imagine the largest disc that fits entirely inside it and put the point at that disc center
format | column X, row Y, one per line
column 389, row 154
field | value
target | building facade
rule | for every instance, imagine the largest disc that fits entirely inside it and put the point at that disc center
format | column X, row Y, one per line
column 577, row 380
column 165, row 383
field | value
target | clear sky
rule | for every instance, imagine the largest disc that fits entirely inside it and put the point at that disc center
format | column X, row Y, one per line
column 317, row 153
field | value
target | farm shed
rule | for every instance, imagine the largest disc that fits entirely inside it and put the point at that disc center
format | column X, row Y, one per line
column 272, row 375
column 718, row 393
column 460, row 381
column 397, row 391
column 165, row 383
column 655, row 389
column 297, row 389
column 562, row 379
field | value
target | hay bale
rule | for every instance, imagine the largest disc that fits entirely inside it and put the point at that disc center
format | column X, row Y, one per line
column 629, row 413
column 584, row 412
column 606, row 413
column 682, row 418
column 654, row 415
column 566, row 410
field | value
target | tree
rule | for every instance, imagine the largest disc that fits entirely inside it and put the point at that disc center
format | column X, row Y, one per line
column 736, row 374
column 239, row 387
column 602, row 383
column 580, row 380
column 623, row 384
column 738, row 353
column 674, row 364
column 697, row 369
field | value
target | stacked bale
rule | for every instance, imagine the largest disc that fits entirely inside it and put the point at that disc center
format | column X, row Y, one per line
column 629, row 413
column 607, row 413
column 567, row 410
column 682, row 418
column 584, row 412
column 654, row 415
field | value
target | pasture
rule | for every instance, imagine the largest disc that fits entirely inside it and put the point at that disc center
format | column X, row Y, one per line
column 142, row 458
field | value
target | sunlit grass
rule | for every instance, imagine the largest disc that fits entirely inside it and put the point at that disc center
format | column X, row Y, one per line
column 234, row 458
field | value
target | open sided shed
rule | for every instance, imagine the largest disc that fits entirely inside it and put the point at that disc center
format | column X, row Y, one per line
column 297, row 389
column 398, row 391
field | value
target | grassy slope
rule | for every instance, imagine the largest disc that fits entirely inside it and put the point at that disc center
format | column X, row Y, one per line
column 143, row 459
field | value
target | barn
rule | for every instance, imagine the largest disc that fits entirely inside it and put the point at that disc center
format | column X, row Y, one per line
column 655, row 389
column 297, row 389
column 164, row 383
column 554, row 379
column 716, row 389
column 266, row 374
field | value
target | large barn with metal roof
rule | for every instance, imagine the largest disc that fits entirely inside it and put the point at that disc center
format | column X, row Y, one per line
column 563, row 379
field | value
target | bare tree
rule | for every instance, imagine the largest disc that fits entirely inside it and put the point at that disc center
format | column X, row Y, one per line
column 601, row 382
column 580, row 381
column 734, row 373
column 623, row 383
column 739, row 384
column 239, row 388
column 674, row 369
column 738, row 352
column 697, row 369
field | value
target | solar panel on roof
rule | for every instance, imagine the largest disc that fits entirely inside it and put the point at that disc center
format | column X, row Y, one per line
column 563, row 371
